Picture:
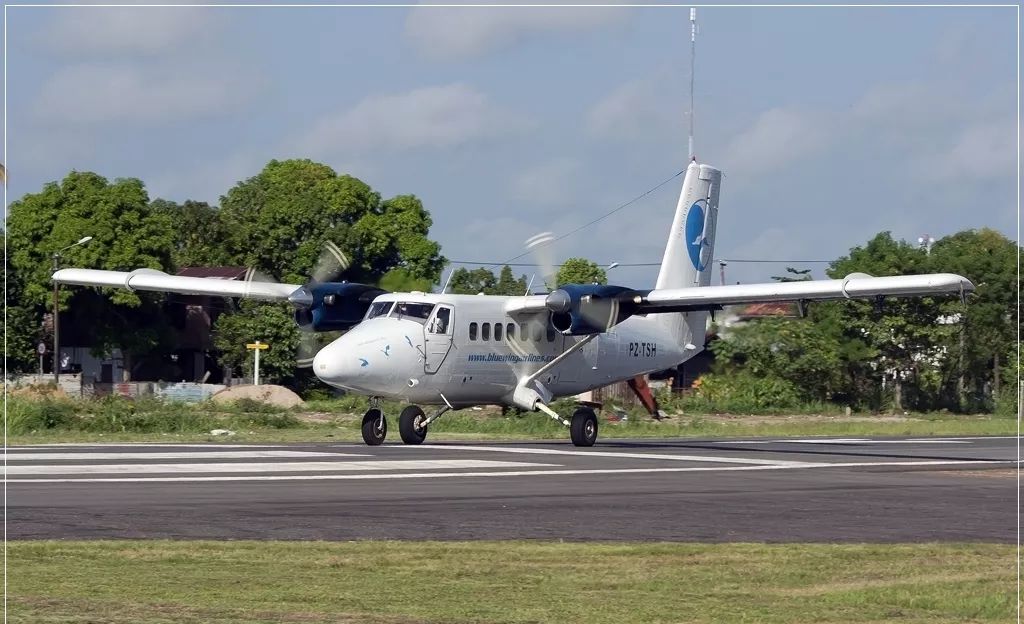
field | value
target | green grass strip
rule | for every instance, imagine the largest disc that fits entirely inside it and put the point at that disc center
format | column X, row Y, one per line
column 538, row 582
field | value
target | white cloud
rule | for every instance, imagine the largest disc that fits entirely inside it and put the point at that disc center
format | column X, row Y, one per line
column 632, row 111
column 776, row 139
column 551, row 183
column 127, row 29
column 431, row 117
column 98, row 93
column 457, row 33
column 981, row 151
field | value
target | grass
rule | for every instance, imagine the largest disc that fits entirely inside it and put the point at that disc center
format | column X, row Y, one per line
column 115, row 419
column 538, row 582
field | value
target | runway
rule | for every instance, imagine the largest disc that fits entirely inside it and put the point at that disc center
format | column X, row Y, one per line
column 819, row 489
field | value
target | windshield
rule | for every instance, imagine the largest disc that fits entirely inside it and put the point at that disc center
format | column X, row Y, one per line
column 381, row 308
column 414, row 311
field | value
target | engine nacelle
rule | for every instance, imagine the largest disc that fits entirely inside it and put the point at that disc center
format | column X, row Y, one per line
column 333, row 306
column 582, row 309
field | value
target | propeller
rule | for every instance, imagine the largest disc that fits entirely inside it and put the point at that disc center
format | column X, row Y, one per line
column 331, row 263
column 539, row 246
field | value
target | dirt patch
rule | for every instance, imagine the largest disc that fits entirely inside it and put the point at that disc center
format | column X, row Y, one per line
column 270, row 394
column 37, row 391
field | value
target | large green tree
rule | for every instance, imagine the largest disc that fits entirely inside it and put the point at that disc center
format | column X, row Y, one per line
column 987, row 341
column 127, row 233
column 199, row 233
column 279, row 220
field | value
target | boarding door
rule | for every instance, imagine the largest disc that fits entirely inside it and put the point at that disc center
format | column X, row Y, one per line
column 437, row 337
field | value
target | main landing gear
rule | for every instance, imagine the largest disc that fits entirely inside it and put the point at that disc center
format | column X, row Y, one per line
column 582, row 427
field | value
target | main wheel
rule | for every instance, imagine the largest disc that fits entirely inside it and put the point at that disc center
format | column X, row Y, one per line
column 375, row 427
column 583, row 428
column 410, row 425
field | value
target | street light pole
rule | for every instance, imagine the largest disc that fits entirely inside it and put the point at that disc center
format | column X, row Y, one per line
column 56, row 310
column 56, row 326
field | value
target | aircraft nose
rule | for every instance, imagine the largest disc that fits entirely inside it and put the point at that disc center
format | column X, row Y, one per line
column 335, row 363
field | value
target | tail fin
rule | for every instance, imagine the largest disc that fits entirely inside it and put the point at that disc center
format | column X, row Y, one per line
column 688, row 255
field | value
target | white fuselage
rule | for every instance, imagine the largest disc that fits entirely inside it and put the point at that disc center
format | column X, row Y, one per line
column 467, row 348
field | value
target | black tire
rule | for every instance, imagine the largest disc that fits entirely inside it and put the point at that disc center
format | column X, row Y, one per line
column 583, row 428
column 410, row 427
column 375, row 427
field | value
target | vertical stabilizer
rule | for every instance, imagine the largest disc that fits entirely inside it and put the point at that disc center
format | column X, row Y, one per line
column 690, row 249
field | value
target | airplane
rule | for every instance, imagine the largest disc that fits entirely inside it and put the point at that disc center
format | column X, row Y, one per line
column 455, row 351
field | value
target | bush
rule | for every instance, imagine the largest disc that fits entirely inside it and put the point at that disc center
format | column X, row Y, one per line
column 744, row 392
column 26, row 415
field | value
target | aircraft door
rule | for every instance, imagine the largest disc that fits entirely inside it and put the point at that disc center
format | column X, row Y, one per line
column 437, row 338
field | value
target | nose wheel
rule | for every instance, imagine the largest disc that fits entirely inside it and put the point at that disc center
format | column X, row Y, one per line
column 375, row 427
column 412, row 425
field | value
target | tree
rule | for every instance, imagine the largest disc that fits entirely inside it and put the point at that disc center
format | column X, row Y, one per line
column 909, row 338
column 988, row 259
column 279, row 220
column 271, row 324
column 199, row 234
column 794, row 275
column 508, row 284
column 470, row 282
column 127, row 233
column 795, row 350
column 580, row 271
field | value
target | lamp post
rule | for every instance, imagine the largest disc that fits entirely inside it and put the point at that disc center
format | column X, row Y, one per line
column 56, row 311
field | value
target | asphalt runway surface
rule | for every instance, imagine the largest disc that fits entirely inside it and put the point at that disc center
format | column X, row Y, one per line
column 814, row 490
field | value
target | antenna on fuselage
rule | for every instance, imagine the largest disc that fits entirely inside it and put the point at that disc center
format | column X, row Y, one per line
column 529, row 286
column 448, row 281
column 693, row 62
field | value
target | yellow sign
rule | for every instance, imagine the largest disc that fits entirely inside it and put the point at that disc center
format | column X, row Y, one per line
column 256, row 345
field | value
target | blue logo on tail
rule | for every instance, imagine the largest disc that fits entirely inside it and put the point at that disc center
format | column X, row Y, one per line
column 694, row 231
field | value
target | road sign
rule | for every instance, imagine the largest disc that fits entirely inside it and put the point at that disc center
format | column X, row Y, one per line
column 256, row 348
column 41, row 348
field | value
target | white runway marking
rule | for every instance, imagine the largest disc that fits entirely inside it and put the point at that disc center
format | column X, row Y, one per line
column 844, row 441
column 692, row 458
column 412, row 464
column 517, row 473
column 254, row 454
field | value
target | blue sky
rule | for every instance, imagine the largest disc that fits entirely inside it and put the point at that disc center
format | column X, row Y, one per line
column 831, row 124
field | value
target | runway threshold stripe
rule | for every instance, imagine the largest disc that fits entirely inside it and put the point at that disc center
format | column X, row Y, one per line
column 516, row 473
column 253, row 454
column 411, row 464
column 690, row 458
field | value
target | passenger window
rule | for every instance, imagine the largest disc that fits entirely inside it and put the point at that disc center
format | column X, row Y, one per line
column 538, row 333
column 523, row 334
column 497, row 332
column 550, row 334
column 485, row 331
column 510, row 332
column 472, row 331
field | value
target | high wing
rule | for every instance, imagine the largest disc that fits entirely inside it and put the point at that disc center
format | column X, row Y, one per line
column 150, row 279
column 853, row 286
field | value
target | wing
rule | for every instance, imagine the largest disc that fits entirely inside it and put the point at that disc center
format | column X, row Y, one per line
column 853, row 286
column 150, row 279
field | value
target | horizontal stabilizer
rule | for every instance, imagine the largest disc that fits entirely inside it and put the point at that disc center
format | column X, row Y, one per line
column 150, row 279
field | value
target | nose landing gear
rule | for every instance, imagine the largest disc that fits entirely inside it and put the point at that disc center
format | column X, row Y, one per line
column 375, row 426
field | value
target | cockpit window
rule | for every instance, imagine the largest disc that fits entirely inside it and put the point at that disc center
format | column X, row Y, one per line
column 381, row 308
column 418, row 312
